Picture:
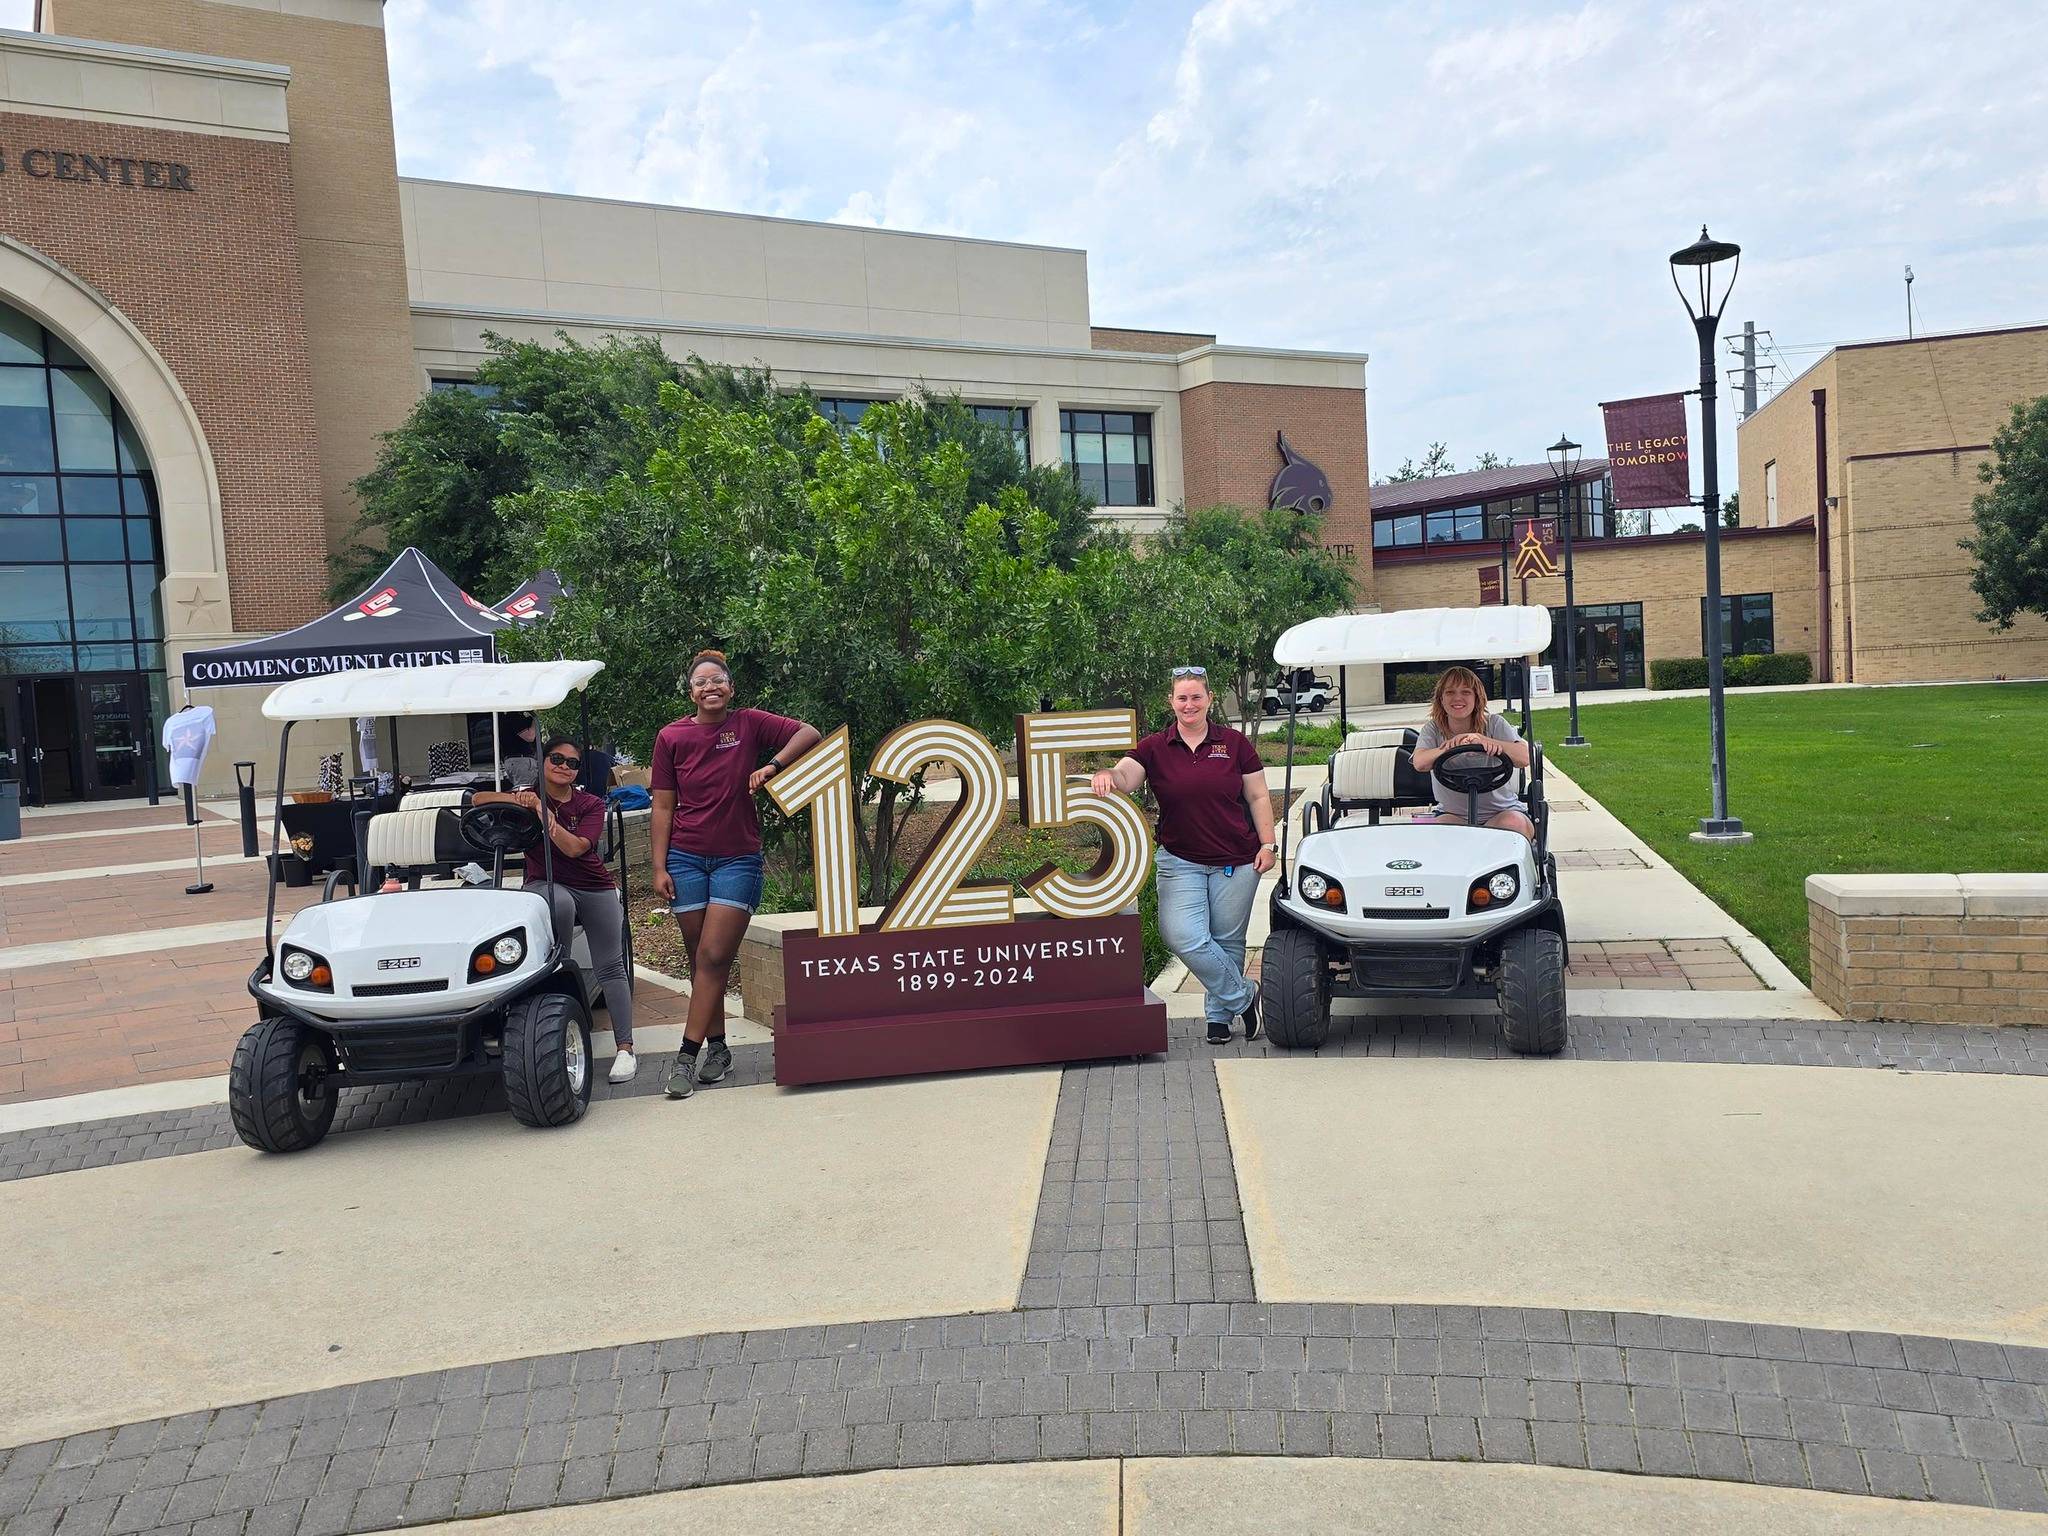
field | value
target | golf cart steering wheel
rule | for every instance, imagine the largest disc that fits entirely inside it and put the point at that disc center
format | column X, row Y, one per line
column 1473, row 770
column 501, row 828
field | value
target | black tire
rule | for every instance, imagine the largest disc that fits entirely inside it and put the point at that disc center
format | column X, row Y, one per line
column 1270, row 707
column 265, row 1083
column 547, row 1059
column 1294, row 990
column 1532, row 1004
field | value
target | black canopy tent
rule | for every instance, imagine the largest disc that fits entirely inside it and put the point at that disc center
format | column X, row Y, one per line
column 533, row 599
column 413, row 615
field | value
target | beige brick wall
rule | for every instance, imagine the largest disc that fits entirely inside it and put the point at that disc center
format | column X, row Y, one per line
column 1781, row 431
column 344, row 175
column 1110, row 338
column 167, row 261
column 1931, row 968
column 1666, row 575
column 1229, row 454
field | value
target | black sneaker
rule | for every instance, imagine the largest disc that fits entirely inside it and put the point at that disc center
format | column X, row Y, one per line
column 1250, row 1016
column 715, row 1062
column 1219, row 1032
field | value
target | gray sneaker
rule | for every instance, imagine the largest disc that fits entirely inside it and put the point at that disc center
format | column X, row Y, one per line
column 682, row 1077
column 715, row 1062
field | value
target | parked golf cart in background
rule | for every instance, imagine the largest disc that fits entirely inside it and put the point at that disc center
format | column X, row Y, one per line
column 1370, row 907
column 1300, row 691
column 395, row 986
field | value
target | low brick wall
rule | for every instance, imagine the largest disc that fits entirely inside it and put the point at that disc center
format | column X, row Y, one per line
column 1931, row 949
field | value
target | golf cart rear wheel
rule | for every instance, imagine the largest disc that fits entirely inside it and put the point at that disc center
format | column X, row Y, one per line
column 1532, row 1010
column 547, row 1059
column 280, row 1086
column 1294, row 990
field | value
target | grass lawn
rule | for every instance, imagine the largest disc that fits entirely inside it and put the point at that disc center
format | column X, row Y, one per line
column 1889, row 780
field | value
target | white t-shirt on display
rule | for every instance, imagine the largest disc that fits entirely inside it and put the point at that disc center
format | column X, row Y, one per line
column 188, row 736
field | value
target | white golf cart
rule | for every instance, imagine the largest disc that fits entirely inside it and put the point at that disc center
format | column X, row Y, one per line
column 392, row 986
column 1371, row 906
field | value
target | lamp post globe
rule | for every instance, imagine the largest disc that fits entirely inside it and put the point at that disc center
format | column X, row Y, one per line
column 1697, row 272
column 1564, row 464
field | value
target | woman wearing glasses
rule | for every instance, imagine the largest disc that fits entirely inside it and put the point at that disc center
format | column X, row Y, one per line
column 1215, row 840
column 707, row 844
column 584, row 893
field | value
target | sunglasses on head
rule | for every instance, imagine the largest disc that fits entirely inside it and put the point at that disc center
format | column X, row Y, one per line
column 1190, row 671
column 564, row 762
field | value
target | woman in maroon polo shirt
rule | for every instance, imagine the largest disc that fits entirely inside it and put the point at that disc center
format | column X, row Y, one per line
column 584, row 893
column 707, row 844
column 1215, row 840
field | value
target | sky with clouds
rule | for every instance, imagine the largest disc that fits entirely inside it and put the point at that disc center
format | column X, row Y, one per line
column 1480, row 196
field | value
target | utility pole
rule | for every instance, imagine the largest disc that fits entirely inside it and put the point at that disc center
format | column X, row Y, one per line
column 1748, row 369
column 1909, row 303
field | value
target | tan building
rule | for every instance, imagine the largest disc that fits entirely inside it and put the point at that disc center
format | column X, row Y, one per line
column 1878, row 444
column 216, row 291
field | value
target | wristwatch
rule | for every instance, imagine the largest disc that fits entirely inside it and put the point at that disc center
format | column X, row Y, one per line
column 773, row 766
column 1269, row 847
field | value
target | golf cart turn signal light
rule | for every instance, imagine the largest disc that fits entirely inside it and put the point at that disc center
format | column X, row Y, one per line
column 486, row 963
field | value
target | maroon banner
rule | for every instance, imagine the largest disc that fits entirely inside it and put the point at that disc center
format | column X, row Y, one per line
column 1646, row 451
column 1038, row 989
column 1489, row 586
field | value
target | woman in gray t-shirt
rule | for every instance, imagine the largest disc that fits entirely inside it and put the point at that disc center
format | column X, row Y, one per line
column 1458, row 717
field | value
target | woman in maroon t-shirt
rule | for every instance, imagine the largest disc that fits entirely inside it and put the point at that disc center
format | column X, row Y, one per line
column 1215, row 840
column 584, row 893
column 707, row 844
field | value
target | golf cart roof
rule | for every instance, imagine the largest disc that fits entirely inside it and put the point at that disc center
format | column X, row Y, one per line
column 1415, row 634
column 462, row 688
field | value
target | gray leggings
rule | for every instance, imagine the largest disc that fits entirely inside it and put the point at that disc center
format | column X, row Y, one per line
column 602, row 916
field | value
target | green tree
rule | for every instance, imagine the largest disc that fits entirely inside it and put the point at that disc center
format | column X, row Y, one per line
column 1490, row 460
column 1731, row 510
column 1435, row 462
column 1132, row 614
column 1280, row 573
column 2011, row 543
column 994, row 465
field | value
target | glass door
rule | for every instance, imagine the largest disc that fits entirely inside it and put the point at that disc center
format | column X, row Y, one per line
column 110, row 709
column 15, row 758
column 1609, row 645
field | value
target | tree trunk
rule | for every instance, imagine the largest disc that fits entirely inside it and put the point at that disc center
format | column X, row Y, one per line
column 882, row 847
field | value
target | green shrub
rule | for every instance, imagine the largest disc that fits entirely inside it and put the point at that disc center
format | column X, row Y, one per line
column 1679, row 672
column 1413, row 688
column 1736, row 671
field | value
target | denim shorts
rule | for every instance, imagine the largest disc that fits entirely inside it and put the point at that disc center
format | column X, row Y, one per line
column 700, row 881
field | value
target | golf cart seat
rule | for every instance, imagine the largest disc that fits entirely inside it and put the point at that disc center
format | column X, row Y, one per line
column 1381, row 736
column 1375, row 780
column 417, row 840
column 429, row 799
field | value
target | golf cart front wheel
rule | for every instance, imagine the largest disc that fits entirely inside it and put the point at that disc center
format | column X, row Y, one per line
column 1532, row 1005
column 547, row 1059
column 280, row 1086
column 1294, row 990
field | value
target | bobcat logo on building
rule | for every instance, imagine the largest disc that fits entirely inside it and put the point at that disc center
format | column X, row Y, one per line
column 1301, row 485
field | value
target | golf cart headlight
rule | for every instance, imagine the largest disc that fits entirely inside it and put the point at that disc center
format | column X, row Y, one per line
column 1312, row 886
column 509, row 950
column 1492, row 890
column 298, row 965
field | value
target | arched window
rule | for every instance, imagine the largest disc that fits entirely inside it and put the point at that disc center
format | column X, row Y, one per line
column 80, row 548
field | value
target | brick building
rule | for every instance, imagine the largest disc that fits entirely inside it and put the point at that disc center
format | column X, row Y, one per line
column 216, row 291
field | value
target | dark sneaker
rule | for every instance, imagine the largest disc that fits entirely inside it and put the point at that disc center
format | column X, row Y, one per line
column 1250, row 1016
column 1219, row 1032
column 682, row 1077
column 715, row 1062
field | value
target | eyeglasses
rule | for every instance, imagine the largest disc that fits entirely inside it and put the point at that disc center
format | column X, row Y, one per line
column 564, row 762
column 1190, row 671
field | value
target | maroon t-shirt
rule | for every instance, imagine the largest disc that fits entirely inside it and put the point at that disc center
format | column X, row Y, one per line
column 707, row 768
column 1203, row 817
column 583, row 814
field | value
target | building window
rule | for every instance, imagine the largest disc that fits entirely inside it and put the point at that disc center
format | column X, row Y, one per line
column 1746, row 628
column 1492, row 521
column 1609, row 643
column 1110, row 454
column 1016, row 418
column 1771, row 494
column 464, row 387
column 843, row 411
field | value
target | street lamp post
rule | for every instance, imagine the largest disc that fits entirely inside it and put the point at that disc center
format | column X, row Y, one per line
column 1564, row 463
column 1705, row 304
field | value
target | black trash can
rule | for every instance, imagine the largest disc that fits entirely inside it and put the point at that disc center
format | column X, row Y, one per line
column 10, row 810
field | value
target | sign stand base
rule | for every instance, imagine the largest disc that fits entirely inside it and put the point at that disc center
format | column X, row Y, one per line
column 917, row 1043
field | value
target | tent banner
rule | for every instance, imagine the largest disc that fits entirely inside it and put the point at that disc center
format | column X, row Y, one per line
column 1646, row 451
column 204, row 671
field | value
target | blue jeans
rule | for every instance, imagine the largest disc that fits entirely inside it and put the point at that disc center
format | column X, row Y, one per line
column 1203, row 914
column 730, row 882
